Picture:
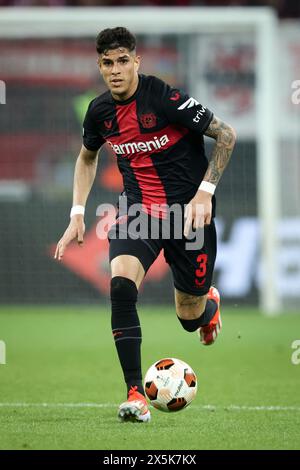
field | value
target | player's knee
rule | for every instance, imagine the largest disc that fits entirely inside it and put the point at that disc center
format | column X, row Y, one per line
column 123, row 289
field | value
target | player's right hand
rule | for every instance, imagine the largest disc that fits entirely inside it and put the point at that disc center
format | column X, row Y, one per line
column 76, row 230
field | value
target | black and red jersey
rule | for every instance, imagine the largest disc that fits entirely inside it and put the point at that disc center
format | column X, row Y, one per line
column 157, row 136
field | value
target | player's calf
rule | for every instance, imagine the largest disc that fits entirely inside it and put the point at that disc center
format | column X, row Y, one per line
column 208, row 333
column 208, row 324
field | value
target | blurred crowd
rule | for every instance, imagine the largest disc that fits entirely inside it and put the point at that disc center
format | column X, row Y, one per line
column 285, row 8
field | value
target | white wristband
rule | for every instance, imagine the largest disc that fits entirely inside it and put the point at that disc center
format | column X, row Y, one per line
column 207, row 186
column 77, row 210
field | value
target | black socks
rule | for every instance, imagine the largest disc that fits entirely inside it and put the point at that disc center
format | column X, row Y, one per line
column 126, row 330
column 204, row 319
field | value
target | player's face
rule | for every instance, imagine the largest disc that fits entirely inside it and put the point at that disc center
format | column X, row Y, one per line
column 119, row 68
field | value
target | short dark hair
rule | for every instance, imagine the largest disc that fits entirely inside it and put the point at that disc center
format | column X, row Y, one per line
column 112, row 38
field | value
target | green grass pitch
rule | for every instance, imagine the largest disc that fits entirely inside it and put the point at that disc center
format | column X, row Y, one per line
column 62, row 383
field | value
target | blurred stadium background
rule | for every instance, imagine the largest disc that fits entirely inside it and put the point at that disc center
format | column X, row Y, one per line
column 50, row 75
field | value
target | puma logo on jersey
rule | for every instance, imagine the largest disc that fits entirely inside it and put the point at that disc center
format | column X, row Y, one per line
column 188, row 104
column 135, row 147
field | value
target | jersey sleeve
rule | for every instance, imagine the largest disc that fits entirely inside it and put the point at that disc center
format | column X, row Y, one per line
column 180, row 108
column 92, row 139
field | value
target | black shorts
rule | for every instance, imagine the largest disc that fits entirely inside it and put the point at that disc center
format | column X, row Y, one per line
column 192, row 269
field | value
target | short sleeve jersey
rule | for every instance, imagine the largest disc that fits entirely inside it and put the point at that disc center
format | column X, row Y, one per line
column 157, row 137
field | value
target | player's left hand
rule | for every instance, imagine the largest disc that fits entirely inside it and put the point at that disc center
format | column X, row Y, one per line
column 198, row 212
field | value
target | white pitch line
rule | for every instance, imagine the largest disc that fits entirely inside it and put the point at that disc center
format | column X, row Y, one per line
column 264, row 408
column 114, row 405
column 57, row 405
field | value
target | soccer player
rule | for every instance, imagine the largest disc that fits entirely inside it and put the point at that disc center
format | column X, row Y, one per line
column 156, row 132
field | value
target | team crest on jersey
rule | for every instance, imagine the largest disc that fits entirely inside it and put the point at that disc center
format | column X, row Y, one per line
column 148, row 120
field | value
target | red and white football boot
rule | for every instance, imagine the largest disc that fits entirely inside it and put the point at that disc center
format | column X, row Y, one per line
column 135, row 408
column 208, row 333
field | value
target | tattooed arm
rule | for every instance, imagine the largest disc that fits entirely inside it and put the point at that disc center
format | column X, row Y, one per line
column 198, row 211
column 225, row 137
